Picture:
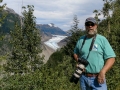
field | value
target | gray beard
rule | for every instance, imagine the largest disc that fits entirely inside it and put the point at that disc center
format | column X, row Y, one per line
column 92, row 33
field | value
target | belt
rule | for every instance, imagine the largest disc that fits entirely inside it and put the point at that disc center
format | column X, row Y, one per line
column 91, row 74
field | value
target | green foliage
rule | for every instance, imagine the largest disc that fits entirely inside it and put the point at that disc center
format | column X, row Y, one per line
column 16, row 63
column 4, row 44
column 24, row 82
column 2, row 62
column 55, row 59
column 26, row 46
column 47, row 78
column 3, row 15
column 57, row 78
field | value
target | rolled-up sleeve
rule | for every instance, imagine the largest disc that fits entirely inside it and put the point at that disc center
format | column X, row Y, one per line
column 108, row 51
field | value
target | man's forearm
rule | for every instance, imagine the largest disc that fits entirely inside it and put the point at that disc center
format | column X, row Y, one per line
column 109, row 63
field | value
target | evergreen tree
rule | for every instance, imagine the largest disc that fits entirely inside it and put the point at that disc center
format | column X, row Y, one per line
column 26, row 45
column 2, row 17
column 74, row 33
column 107, row 8
column 97, row 13
column 32, row 39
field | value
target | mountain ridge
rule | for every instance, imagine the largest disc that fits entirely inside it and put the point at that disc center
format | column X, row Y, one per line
column 12, row 17
column 51, row 29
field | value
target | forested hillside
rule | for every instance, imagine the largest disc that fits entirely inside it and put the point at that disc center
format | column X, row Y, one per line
column 8, row 22
column 55, row 74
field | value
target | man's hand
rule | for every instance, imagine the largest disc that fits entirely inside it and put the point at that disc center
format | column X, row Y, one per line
column 101, row 77
column 76, row 57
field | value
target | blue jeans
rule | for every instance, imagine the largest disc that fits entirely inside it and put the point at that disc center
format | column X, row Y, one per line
column 91, row 83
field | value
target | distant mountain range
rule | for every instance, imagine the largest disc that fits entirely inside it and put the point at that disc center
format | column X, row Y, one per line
column 51, row 29
column 13, row 17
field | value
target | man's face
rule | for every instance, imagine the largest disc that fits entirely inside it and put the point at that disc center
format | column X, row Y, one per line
column 91, row 28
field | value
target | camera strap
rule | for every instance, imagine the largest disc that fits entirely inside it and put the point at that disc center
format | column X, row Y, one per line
column 83, row 42
column 92, row 43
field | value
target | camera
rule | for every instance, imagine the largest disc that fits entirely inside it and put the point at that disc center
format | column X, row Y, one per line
column 81, row 66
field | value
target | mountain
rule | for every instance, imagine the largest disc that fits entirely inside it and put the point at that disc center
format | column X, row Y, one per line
column 12, row 17
column 9, row 10
column 9, row 22
column 51, row 29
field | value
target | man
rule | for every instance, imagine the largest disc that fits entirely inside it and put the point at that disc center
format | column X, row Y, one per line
column 101, row 57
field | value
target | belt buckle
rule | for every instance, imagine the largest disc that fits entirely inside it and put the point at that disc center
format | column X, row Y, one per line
column 94, row 75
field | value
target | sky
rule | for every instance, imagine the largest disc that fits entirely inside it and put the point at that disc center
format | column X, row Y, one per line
column 58, row 12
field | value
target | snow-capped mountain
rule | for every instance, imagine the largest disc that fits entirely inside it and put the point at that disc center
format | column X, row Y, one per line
column 51, row 29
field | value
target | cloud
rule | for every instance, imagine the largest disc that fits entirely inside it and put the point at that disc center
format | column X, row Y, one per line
column 59, row 12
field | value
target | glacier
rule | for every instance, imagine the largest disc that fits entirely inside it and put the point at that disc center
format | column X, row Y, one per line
column 53, row 42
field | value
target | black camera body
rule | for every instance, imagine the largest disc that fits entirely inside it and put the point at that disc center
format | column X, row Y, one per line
column 81, row 66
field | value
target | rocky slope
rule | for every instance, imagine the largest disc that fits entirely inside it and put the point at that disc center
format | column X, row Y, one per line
column 47, row 51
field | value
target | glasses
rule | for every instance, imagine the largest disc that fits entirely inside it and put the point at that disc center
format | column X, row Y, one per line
column 89, row 24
